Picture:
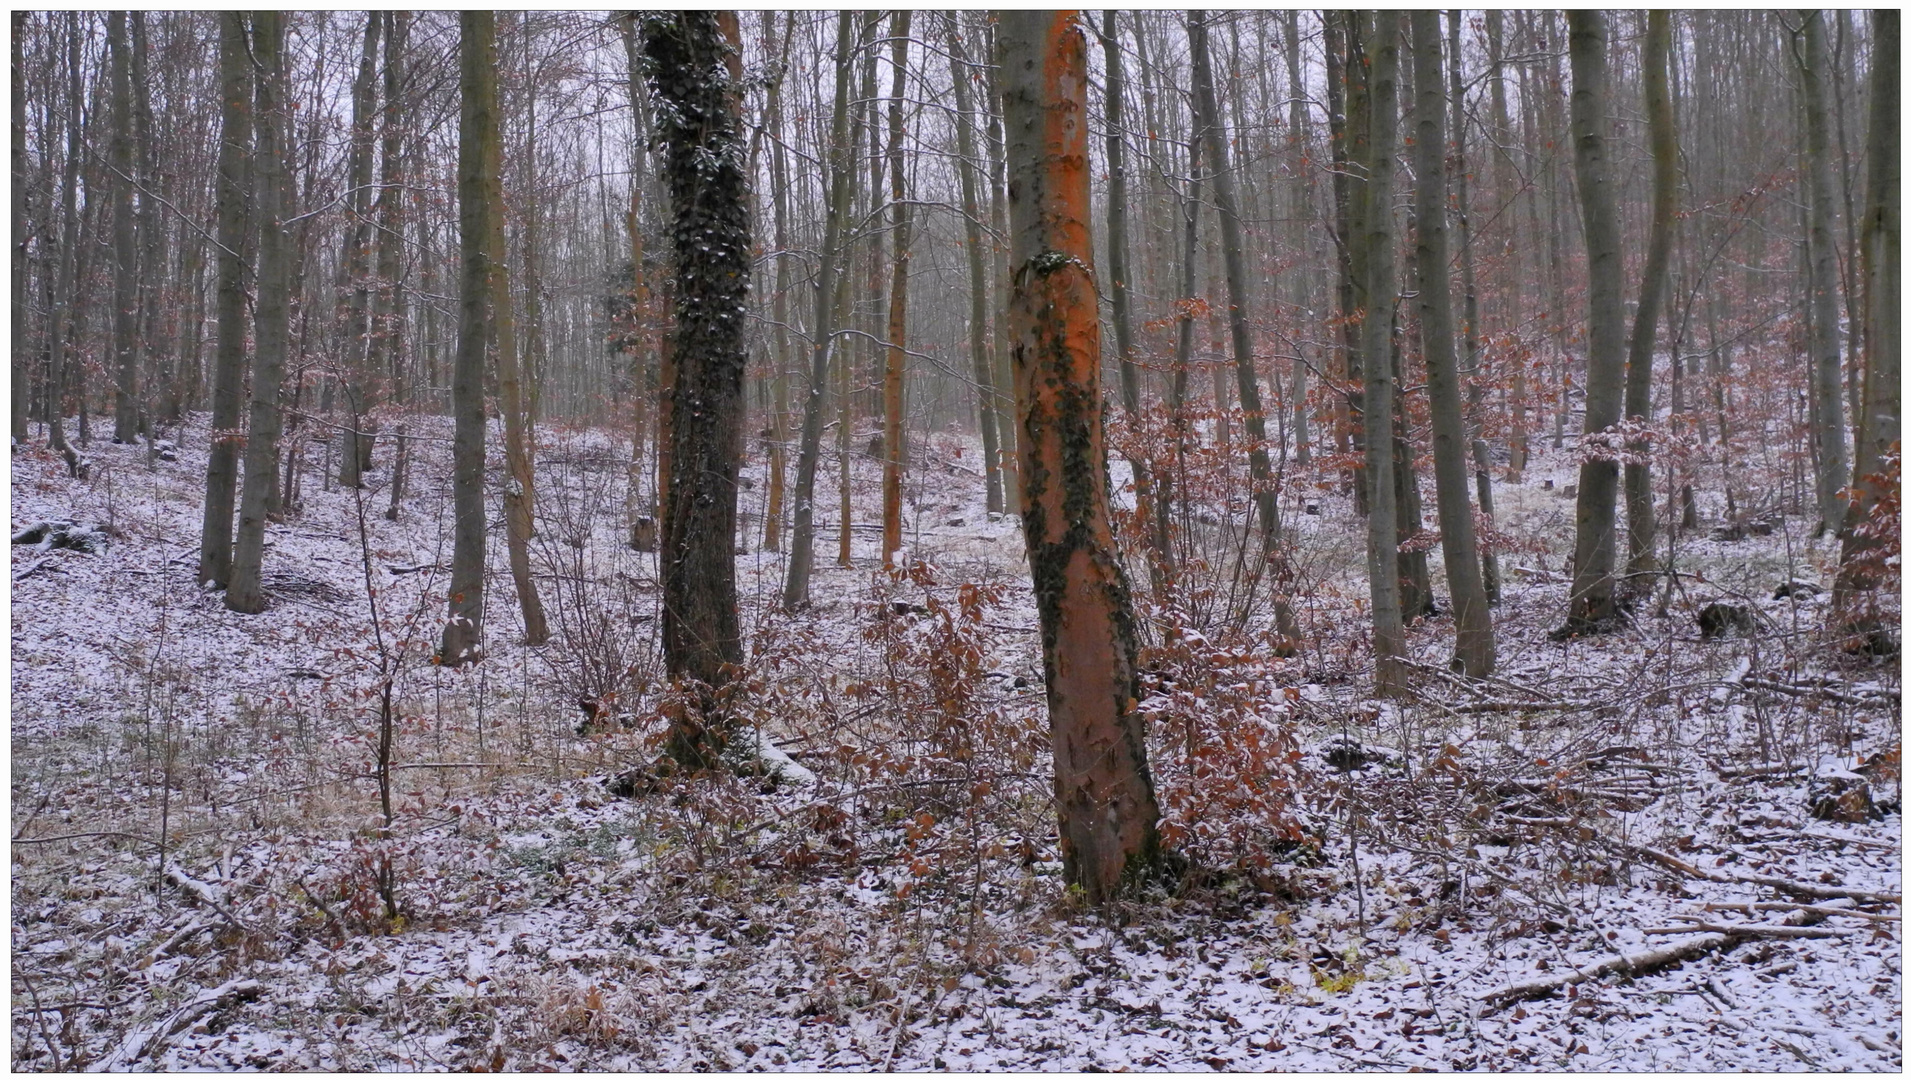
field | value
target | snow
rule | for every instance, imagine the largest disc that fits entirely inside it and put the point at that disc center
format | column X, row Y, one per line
column 719, row 926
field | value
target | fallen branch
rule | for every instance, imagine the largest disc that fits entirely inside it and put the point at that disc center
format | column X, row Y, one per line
column 1746, row 931
column 1526, row 706
column 1632, row 963
column 205, row 894
column 151, row 1037
column 1814, row 909
column 1785, row 885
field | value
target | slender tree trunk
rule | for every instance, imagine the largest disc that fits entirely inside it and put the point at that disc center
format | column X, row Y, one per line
column 988, row 403
column 1377, row 407
column 896, row 360
column 1103, row 792
column 22, row 340
column 386, row 359
column 1593, row 606
column 1880, row 248
column 1503, row 176
column 1352, row 198
column 695, row 67
column 1174, row 479
column 355, row 303
column 1009, row 444
column 780, row 304
column 1297, row 212
column 245, row 593
column 520, row 482
column 477, row 156
column 1473, row 374
column 1652, row 288
column 1827, row 379
column 229, row 355
column 1473, row 653
column 125, row 235
column 796, row 589
column 1265, row 488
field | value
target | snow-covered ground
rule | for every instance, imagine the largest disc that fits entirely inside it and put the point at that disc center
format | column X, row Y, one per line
column 200, row 881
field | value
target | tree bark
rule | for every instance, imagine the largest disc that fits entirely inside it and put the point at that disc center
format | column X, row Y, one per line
column 520, row 481
column 1822, row 256
column 229, row 355
column 1880, row 247
column 780, row 304
column 245, row 593
column 477, row 155
column 1652, row 288
column 1118, row 266
column 1593, row 605
column 1377, row 407
column 796, row 588
column 386, row 360
column 1266, row 490
column 1473, row 653
column 355, row 303
column 896, row 359
column 988, row 403
column 1473, row 374
column 125, row 235
column 1103, row 792
column 695, row 66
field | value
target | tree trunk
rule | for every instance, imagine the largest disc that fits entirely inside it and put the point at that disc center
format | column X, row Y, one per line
column 1503, row 175
column 1474, row 375
column 796, row 588
column 1827, row 381
column 780, row 304
column 520, row 482
column 1298, row 211
column 1652, row 288
column 386, row 359
column 125, row 235
column 1118, row 271
column 229, row 349
column 1879, row 247
column 695, row 67
column 988, row 403
column 245, row 593
column 355, row 305
column 1593, row 606
column 60, row 317
column 1377, row 408
column 1009, row 444
column 477, row 156
column 1103, row 792
column 1265, row 488
column 22, row 346
column 896, row 360
column 1473, row 653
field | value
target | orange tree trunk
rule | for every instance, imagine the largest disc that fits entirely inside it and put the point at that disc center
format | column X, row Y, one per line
column 1103, row 793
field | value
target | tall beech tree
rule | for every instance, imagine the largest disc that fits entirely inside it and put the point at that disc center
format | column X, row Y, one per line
column 1104, row 794
column 477, row 153
column 896, row 356
column 968, row 165
column 229, row 347
column 695, row 70
column 245, row 593
column 1240, row 333
column 1593, row 606
column 1473, row 653
column 125, row 233
column 1652, row 289
column 1822, row 276
column 796, row 588
column 1376, row 256
column 1880, row 246
column 355, row 289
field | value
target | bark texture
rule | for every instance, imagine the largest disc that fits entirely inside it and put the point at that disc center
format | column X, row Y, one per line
column 229, row 348
column 1375, row 256
column 1103, row 792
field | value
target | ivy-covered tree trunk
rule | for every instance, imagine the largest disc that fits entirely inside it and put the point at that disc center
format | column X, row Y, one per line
column 693, row 60
column 1103, row 792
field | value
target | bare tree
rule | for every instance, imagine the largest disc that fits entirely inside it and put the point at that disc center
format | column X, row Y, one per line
column 1593, row 605
column 1652, row 288
column 229, row 349
column 1103, row 792
column 988, row 403
column 1375, row 247
column 897, row 353
column 245, row 592
column 1822, row 278
column 355, row 299
column 477, row 156
column 1473, row 653
column 125, row 235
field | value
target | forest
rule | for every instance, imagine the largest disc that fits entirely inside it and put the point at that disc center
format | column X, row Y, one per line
column 886, row 539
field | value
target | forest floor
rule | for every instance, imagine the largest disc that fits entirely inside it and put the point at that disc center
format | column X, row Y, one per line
column 203, row 876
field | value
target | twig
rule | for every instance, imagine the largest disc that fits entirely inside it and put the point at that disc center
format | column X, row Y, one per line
column 1812, row 908
column 1796, row 888
column 1632, row 963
